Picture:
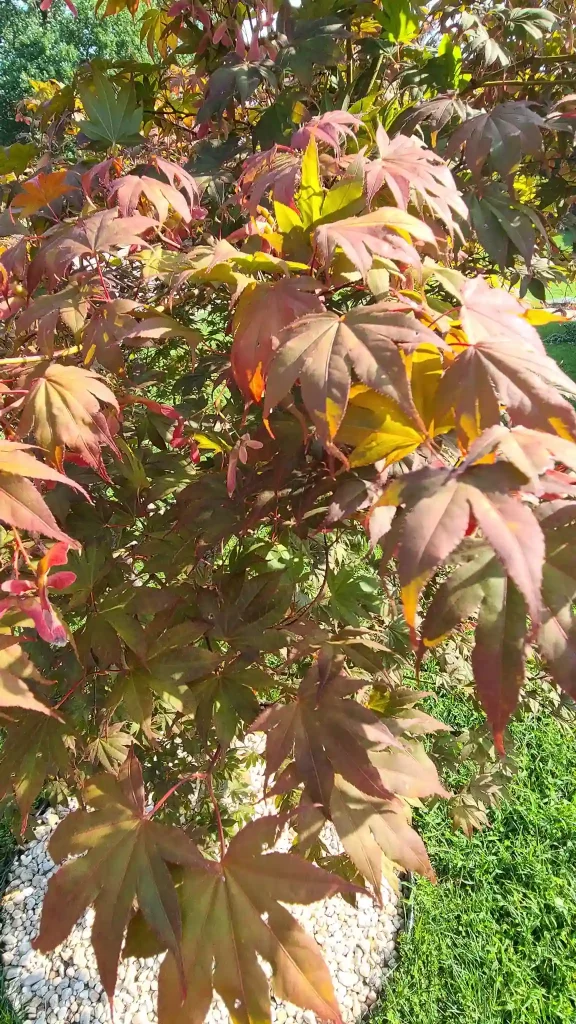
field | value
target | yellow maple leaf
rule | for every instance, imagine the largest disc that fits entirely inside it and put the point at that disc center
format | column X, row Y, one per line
column 376, row 426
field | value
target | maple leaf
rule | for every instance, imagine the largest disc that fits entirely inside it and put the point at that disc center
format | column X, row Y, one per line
column 263, row 310
column 114, row 325
column 503, row 225
column 487, row 311
column 104, row 333
column 275, row 171
column 333, row 128
column 21, row 504
column 532, row 452
column 237, row 78
column 557, row 633
column 248, row 609
column 480, row 584
column 439, row 506
column 379, row 430
column 229, row 699
column 503, row 359
column 168, row 664
column 180, row 179
column 407, row 167
column 373, row 234
column 63, row 410
column 321, row 349
column 99, row 233
column 39, row 192
column 70, row 305
column 113, row 114
column 232, row 913
column 130, row 189
column 125, row 854
column 437, row 113
column 328, row 734
column 34, row 746
column 16, row 670
column 376, row 834
column 111, row 747
column 503, row 136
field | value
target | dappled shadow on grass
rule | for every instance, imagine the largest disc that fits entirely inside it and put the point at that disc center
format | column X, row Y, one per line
column 495, row 941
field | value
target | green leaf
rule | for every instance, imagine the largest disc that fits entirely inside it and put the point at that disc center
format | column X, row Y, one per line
column 355, row 595
column 34, row 746
column 400, row 21
column 311, row 193
column 114, row 116
column 16, row 158
column 312, row 42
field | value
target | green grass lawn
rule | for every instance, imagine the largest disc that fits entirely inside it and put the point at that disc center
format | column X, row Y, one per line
column 495, row 941
column 560, row 340
column 564, row 352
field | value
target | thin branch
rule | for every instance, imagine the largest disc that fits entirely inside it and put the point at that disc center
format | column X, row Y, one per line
column 17, row 360
column 75, row 686
column 163, row 799
column 210, row 787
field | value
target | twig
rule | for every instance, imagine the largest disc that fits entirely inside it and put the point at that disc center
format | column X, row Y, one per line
column 17, row 360
column 163, row 799
column 210, row 787
column 75, row 686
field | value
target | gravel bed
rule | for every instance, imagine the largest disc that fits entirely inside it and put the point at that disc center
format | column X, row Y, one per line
column 358, row 944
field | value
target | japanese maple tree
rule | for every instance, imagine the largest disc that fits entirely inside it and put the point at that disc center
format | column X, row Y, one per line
column 264, row 322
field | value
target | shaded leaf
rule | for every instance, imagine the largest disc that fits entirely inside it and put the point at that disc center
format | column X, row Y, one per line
column 502, row 136
column 327, row 734
column 33, row 747
column 480, row 585
column 124, row 856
